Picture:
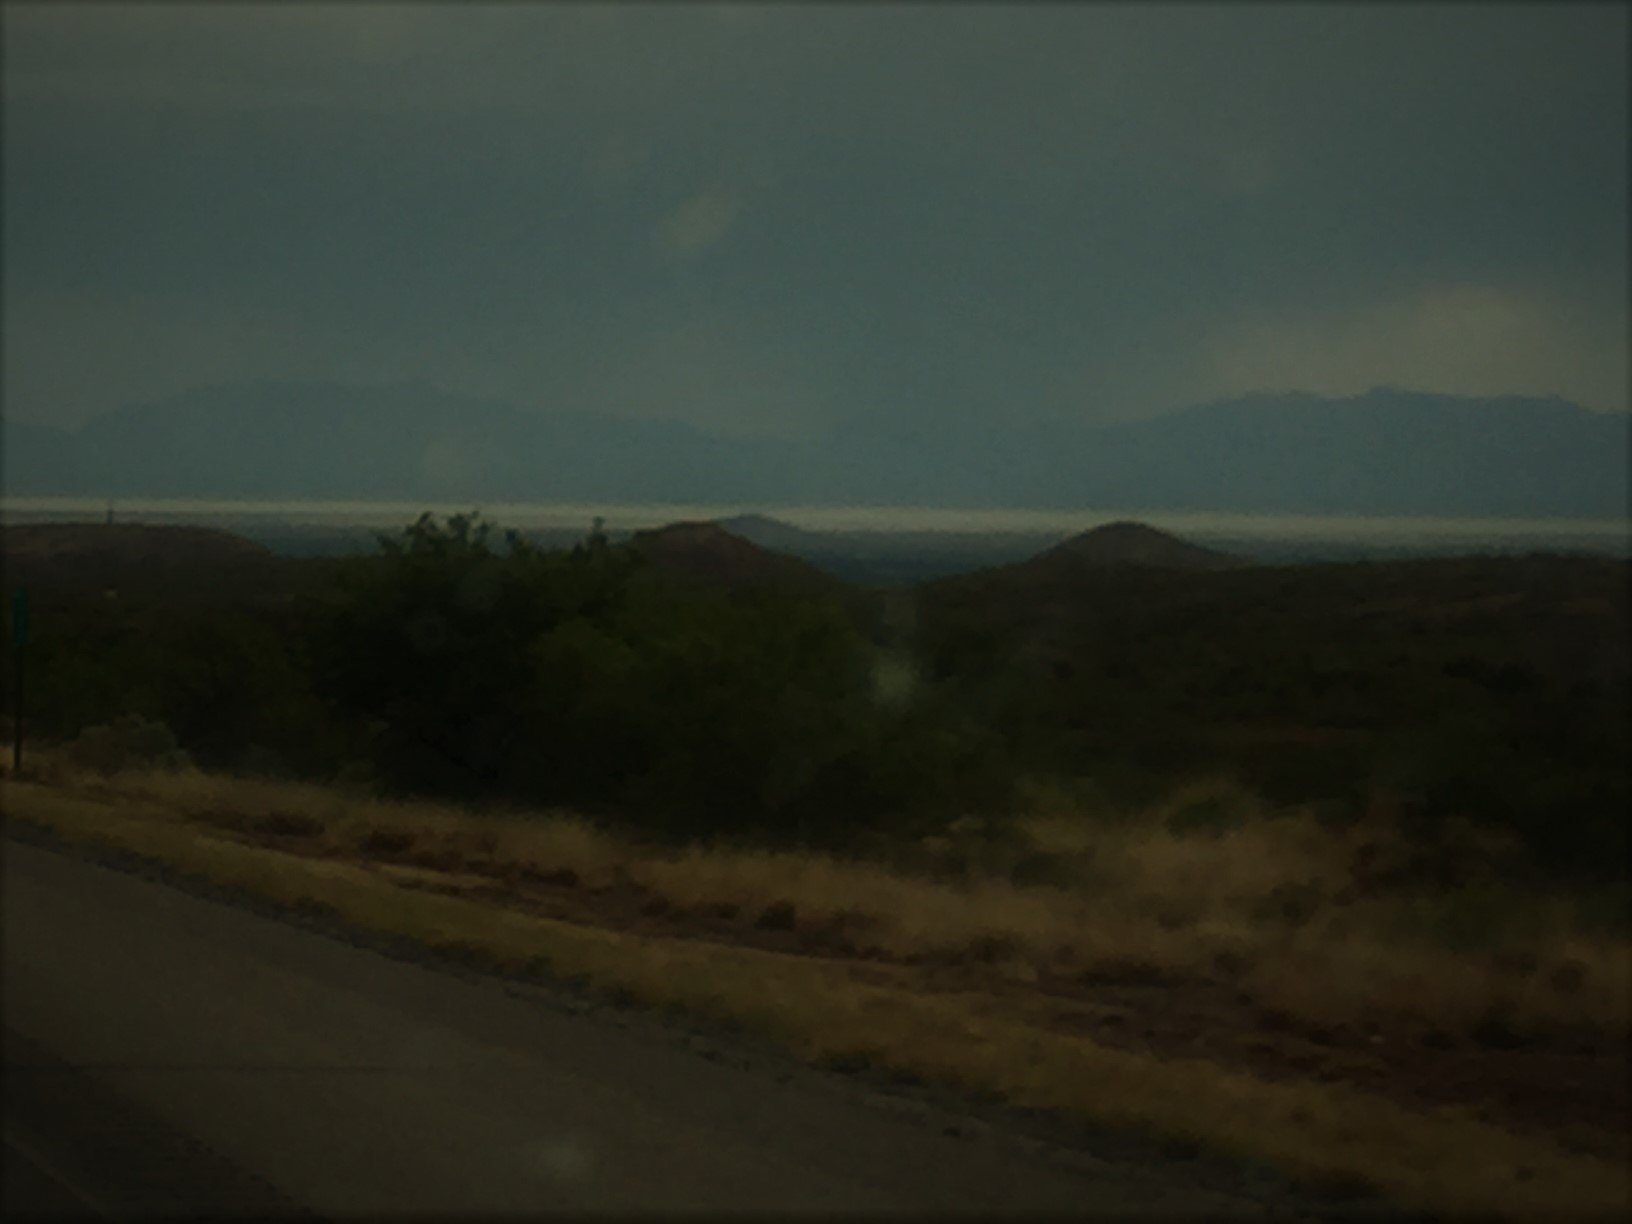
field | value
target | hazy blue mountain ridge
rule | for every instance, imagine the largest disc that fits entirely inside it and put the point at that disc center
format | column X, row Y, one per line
column 1385, row 452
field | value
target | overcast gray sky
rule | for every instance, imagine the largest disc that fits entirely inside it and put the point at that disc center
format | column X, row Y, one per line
column 764, row 218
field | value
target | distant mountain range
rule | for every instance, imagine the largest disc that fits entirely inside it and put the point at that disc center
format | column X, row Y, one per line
column 1386, row 452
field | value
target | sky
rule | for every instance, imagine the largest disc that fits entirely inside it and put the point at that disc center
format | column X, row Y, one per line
column 773, row 218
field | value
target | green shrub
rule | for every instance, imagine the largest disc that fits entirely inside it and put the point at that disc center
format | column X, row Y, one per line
column 1207, row 815
column 1290, row 903
column 681, row 711
column 357, row 777
column 259, row 761
column 124, row 742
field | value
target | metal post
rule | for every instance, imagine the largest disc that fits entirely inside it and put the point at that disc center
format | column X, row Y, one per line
column 19, row 644
column 17, row 716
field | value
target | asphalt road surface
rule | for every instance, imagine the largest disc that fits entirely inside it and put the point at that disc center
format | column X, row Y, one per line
column 168, row 1053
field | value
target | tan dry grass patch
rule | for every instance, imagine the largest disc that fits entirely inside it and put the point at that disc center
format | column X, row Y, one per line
column 351, row 823
column 906, row 916
column 1438, row 1159
column 1162, row 905
column 1579, row 988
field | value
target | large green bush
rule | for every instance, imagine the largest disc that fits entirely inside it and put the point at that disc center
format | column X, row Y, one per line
column 125, row 742
column 492, row 670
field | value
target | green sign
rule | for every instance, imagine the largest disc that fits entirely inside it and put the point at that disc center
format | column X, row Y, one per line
column 19, row 617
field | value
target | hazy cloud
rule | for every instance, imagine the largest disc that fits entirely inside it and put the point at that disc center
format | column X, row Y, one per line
column 699, row 222
column 1467, row 339
column 950, row 212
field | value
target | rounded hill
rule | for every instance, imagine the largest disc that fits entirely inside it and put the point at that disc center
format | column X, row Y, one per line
column 1134, row 544
column 186, row 564
column 707, row 552
column 124, row 543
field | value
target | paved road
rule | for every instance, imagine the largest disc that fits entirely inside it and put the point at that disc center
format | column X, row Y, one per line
column 34, row 1188
column 167, row 1052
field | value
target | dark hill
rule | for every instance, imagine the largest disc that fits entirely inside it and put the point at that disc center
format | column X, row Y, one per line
column 123, row 543
column 1044, row 601
column 708, row 552
column 770, row 533
column 1132, row 544
column 175, row 563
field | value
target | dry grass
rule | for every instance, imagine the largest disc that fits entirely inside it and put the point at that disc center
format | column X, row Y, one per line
column 1438, row 1159
column 354, row 823
column 1276, row 898
column 1258, row 896
column 1581, row 990
column 1261, row 900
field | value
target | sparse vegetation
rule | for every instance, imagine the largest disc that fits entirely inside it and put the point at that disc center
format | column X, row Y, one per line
column 1343, row 846
column 1149, row 985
